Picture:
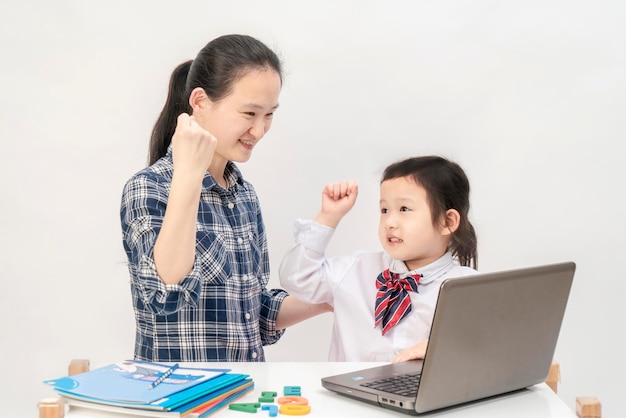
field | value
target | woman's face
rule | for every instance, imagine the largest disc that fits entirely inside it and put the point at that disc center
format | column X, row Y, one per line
column 240, row 120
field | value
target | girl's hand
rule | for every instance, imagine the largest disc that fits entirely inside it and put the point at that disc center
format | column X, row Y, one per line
column 337, row 200
column 193, row 147
column 416, row 352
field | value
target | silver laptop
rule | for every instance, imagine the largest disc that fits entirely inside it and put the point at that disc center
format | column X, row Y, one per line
column 492, row 334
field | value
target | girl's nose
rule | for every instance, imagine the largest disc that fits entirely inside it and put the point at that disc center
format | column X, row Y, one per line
column 390, row 222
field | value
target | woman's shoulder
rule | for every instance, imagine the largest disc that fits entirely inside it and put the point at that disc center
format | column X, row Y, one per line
column 162, row 170
column 156, row 176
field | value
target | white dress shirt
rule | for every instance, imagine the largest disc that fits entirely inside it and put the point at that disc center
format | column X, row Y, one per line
column 348, row 283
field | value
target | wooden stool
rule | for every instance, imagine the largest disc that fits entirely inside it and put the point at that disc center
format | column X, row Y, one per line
column 55, row 407
column 586, row 406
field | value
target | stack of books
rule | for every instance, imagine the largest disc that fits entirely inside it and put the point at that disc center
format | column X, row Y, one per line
column 152, row 389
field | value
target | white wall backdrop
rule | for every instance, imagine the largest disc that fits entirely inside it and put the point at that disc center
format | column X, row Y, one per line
column 529, row 97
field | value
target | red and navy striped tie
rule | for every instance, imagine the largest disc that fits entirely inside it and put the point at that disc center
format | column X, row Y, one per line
column 392, row 299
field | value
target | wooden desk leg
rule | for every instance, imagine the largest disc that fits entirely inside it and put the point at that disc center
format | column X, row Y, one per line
column 588, row 407
column 51, row 408
column 78, row 366
column 554, row 376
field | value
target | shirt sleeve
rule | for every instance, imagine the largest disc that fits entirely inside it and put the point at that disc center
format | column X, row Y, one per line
column 304, row 270
column 144, row 200
column 271, row 300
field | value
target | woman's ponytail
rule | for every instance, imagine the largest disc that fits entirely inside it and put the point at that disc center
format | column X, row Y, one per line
column 177, row 102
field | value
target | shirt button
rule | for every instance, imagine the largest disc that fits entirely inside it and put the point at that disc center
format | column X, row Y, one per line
column 254, row 355
column 244, row 278
column 231, row 205
column 239, row 240
column 247, row 315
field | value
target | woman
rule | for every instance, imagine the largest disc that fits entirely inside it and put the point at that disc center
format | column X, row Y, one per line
column 192, row 226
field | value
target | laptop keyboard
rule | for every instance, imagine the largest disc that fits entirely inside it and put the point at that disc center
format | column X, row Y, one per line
column 404, row 385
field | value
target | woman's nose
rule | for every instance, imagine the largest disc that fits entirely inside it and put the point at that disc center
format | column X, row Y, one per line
column 258, row 128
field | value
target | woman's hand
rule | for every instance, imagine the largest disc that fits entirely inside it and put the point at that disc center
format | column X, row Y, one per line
column 193, row 147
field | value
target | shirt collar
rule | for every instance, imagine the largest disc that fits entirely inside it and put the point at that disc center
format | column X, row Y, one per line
column 430, row 272
column 233, row 177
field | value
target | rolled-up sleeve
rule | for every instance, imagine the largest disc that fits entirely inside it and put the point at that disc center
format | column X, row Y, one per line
column 271, row 300
column 144, row 201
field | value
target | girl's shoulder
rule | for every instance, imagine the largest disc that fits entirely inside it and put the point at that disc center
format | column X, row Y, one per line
column 372, row 260
column 458, row 271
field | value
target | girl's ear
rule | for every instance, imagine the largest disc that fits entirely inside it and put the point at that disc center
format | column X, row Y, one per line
column 198, row 99
column 452, row 221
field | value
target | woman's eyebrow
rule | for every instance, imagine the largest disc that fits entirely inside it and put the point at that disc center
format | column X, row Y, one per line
column 258, row 106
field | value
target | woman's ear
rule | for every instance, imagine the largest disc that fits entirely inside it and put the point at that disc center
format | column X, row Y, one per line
column 198, row 99
column 451, row 222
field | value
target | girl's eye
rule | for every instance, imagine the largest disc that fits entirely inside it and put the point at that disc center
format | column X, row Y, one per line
column 383, row 210
column 250, row 113
column 404, row 209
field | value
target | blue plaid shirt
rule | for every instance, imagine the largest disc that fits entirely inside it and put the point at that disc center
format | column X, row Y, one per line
column 222, row 311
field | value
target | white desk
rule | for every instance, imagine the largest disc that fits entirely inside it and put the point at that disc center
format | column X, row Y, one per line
column 537, row 402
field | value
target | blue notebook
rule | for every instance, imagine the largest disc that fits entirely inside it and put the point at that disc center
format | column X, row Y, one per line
column 203, row 405
column 129, row 383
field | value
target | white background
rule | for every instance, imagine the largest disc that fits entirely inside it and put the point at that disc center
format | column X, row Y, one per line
column 529, row 97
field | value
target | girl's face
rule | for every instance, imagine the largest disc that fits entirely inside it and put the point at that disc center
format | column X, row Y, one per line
column 406, row 229
column 240, row 120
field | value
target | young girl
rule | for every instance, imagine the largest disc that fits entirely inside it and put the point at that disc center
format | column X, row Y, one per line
column 192, row 226
column 384, row 301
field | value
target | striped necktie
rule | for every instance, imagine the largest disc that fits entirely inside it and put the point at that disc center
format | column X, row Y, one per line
column 392, row 298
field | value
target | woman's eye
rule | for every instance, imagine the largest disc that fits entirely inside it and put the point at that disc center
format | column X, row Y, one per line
column 383, row 210
column 404, row 209
column 250, row 114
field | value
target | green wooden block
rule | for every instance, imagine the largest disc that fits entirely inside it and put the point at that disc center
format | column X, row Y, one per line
column 244, row 407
